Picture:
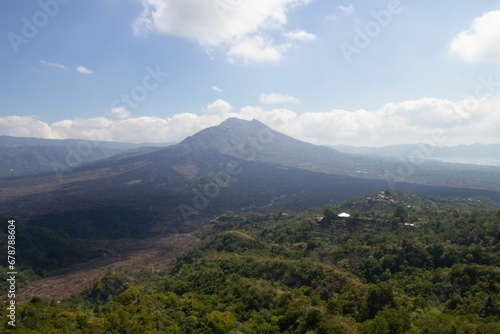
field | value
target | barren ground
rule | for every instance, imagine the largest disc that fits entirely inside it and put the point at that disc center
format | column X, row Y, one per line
column 153, row 254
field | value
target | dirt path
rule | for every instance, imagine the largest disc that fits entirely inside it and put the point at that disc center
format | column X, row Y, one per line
column 153, row 254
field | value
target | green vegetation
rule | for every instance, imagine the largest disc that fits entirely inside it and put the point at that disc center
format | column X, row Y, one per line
column 39, row 251
column 221, row 180
column 329, row 215
column 401, row 264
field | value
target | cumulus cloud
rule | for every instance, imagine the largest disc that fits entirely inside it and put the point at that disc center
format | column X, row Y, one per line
column 256, row 49
column 234, row 26
column 218, row 107
column 461, row 122
column 300, row 35
column 481, row 42
column 119, row 112
column 452, row 122
column 26, row 126
column 83, row 70
column 54, row 65
column 275, row 98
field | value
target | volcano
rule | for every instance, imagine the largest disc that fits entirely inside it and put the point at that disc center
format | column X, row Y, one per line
column 236, row 166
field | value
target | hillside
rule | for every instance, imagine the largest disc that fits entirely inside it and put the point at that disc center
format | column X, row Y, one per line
column 43, row 252
column 26, row 156
column 285, row 272
column 254, row 141
column 236, row 166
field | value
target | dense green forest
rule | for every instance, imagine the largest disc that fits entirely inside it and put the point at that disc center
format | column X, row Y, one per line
column 400, row 263
column 43, row 250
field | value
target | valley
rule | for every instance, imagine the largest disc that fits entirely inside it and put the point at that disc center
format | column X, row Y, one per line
column 402, row 263
column 147, row 255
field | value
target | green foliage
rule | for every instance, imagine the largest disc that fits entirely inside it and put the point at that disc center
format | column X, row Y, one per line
column 111, row 284
column 40, row 251
column 401, row 213
column 286, row 273
column 330, row 215
column 220, row 180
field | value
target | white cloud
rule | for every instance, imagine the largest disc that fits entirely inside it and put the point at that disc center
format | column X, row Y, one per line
column 25, row 126
column 217, row 89
column 256, row 49
column 452, row 122
column 300, row 35
column 347, row 9
column 481, row 42
column 83, row 70
column 55, row 65
column 218, row 107
column 234, row 25
column 461, row 122
column 344, row 10
column 119, row 112
column 275, row 98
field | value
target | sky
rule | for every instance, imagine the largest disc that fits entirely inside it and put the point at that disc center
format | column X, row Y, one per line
column 361, row 73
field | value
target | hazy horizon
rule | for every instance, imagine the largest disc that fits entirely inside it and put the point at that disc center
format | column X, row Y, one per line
column 335, row 146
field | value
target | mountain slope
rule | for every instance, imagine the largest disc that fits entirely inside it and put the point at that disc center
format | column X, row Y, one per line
column 174, row 191
column 24, row 156
column 237, row 166
column 254, row 141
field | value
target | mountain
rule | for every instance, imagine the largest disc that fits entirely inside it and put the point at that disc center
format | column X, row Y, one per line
column 236, row 166
column 24, row 156
column 254, row 141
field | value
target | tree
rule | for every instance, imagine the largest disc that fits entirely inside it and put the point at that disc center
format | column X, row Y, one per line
column 401, row 212
column 378, row 297
column 330, row 215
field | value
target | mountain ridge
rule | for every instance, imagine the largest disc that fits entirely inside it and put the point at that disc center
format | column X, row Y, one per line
column 236, row 166
column 21, row 156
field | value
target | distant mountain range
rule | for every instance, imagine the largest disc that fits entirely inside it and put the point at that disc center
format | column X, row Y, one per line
column 476, row 153
column 23, row 156
column 236, row 166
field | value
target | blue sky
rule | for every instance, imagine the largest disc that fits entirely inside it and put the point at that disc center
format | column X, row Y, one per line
column 328, row 72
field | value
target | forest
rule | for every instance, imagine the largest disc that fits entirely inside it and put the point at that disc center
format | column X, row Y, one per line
column 401, row 263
